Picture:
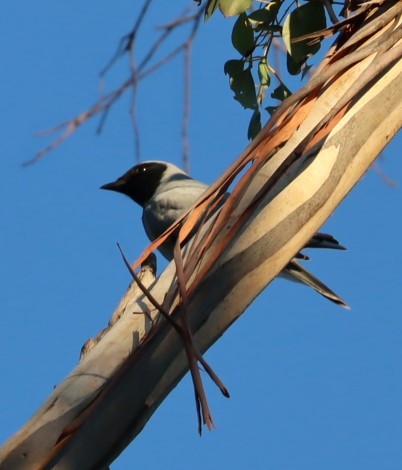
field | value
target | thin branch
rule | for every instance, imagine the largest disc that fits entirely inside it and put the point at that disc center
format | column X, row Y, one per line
column 385, row 178
column 331, row 13
column 103, row 105
column 186, row 109
column 133, row 108
column 127, row 42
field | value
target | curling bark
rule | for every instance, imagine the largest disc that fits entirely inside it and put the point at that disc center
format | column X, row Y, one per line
column 321, row 145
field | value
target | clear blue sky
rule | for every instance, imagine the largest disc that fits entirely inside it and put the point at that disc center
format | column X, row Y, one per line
column 313, row 386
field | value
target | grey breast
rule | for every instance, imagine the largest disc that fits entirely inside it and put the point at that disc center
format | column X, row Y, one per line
column 166, row 206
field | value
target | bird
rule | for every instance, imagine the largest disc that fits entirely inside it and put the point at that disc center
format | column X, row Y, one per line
column 165, row 192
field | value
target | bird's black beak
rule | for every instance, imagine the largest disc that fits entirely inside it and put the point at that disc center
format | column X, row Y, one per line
column 118, row 185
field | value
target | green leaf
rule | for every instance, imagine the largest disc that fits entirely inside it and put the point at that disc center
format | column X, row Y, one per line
column 255, row 125
column 293, row 66
column 242, row 35
column 263, row 74
column 233, row 67
column 281, row 92
column 265, row 15
column 242, row 84
column 306, row 19
column 212, row 5
column 271, row 109
column 234, row 7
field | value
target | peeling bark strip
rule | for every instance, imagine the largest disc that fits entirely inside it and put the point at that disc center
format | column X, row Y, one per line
column 304, row 163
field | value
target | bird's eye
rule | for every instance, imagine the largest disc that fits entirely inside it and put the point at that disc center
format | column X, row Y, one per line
column 140, row 169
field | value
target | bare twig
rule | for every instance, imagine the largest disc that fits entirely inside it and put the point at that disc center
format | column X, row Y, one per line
column 186, row 109
column 331, row 13
column 127, row 42
column 385, row 178
column 133, row 108
column 137, row 73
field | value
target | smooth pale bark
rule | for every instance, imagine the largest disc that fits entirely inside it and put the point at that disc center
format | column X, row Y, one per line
column 107, row 399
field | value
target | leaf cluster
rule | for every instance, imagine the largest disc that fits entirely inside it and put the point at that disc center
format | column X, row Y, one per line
column 260, row 27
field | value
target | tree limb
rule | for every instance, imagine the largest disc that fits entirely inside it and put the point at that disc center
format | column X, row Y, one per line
column 297, row 174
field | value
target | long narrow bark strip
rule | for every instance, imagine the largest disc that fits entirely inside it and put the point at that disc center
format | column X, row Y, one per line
column 108, row 398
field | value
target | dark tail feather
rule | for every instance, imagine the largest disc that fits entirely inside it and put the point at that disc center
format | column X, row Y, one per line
column 324, row 240
column 295, row 272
